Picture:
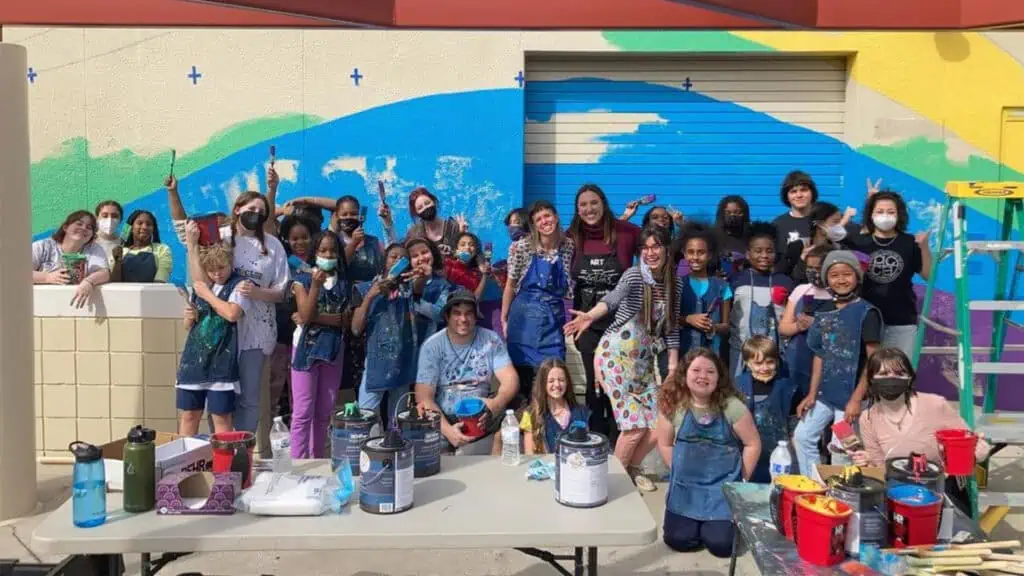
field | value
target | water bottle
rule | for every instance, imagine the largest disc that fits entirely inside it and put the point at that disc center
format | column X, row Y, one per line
column 510, row 439
column 140, row 470
column 89, row 486
column 781, row 462
column 281, row 445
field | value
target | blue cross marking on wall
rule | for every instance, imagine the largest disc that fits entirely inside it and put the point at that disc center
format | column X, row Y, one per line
column 194, row 75
column 32, row 75
column 355, row 76
column 520, row 79
column 687, row 84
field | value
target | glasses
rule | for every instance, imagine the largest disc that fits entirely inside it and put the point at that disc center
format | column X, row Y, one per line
column 655, row 248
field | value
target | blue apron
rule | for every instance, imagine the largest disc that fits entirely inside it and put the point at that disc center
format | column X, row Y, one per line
column 537, row 314
column 426, row 309
column 211, row 348
column 771, row 415
column 835, row 337
column 553, row 430
column 317, row 342
column 391, row 351
column 798, row 355
column 367, row 260
column 138, row 267
column 763, row 321
column 704, row 458
column 690, row 337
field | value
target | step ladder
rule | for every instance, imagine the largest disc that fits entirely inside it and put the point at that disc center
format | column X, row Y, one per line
column 1000, row 429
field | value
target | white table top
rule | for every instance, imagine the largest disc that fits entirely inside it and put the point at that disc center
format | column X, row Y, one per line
column 474, row 502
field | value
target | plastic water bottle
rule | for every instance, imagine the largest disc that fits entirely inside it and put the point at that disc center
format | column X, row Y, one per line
column 510, row 439
column 281, row 445
column 781, row 462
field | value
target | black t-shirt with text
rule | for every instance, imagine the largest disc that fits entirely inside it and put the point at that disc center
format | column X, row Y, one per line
column 889, row 281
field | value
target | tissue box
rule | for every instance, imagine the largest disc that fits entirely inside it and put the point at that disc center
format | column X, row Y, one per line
column 198, row 493
column 174, row 453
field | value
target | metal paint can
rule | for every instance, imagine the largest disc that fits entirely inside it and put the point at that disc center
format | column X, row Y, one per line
column 916, row 469
column 581, row 468
column 386, row 482
column 351, row 427
column 866, row 496
column 424, row 433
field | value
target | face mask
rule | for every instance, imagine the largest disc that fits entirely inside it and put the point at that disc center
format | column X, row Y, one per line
column 733, row 223
column 464, row 256
column 326, row 264
column 884, row 222
column 429, row 213
column 813, row 276
column 252, row 221
column 108, row 226
column 516, row 232
column 890, row 388
column 836, row 233
column 348, row 225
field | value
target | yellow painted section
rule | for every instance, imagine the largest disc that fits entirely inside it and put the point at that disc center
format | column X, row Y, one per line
column 798, row 483
column 985, row 190
column 961, row 81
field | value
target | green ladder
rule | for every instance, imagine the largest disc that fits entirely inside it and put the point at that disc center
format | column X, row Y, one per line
column 1000, row 429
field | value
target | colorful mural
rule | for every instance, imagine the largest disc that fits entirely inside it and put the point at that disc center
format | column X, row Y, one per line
column 447, row 110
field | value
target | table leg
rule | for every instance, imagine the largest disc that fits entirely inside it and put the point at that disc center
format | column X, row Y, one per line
column 146, row 565
column 592, row 561
column 735, row 549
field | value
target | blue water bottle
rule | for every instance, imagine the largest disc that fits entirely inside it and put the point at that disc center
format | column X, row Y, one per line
column 89, row 486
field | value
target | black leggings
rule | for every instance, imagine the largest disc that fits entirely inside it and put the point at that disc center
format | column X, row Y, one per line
column 602, row 420
column 684, row 534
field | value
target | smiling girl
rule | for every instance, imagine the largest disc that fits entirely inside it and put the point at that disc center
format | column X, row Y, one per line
column 143, row 258
column 75, row 237
column 552, row 410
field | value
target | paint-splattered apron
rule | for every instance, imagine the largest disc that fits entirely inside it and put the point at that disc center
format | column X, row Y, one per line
column 763, row 321
column 835, row 337
column 390, row 342
column 537, row 314
column 626, row 360
column 705, row 456
column 771, row 415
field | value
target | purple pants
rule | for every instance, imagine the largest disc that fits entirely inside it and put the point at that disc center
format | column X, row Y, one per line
column 313, row 395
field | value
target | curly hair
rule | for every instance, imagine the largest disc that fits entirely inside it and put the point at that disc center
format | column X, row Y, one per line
column 762, row 230
column 674, row 395
column 539, row 403
column 902, row 214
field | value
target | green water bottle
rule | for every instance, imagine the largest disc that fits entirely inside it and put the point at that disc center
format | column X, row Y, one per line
column 140, row 470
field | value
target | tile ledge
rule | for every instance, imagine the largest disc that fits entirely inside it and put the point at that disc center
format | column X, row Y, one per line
column 110, row 301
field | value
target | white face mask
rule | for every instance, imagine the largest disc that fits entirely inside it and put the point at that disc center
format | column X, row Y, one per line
column 836, row 233
column 108, row 226
column 884, row 222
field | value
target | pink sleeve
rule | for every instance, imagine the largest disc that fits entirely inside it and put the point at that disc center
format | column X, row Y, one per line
column 869, row 436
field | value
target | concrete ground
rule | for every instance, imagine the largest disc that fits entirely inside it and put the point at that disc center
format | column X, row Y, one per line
column 655, row 559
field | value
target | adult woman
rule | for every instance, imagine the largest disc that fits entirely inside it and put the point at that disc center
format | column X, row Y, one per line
column 427, row 223
column 827, row 228
column 142, row 258
column 108, row 222
column 901, row 421
column 895, row 256
column 646, row 306
column 605, row 247
column 798, row 193
column 71, row 257
column 260, row 258
column 532, row 308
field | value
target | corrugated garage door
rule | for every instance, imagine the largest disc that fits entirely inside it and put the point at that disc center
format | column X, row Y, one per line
column 688, row 130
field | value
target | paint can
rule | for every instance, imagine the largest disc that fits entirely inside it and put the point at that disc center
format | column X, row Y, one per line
column 581, row 467
column 914, row 515
column 351, row 427
column 915, row 469
column 386, row 482
column 424, row 433
column 866, row 496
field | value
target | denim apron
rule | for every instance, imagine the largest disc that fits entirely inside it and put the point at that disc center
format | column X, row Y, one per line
column 553, row 430
column 537, row 314
column 366, row 261
column 390, row 342
column 211, row 349
column 835, row 337
column 690, row 337
column 704, row 458
column 138, row 267
column 771, row 415
column 426, row 309
column 317, row 342
column 798, row 355
column 763, row 321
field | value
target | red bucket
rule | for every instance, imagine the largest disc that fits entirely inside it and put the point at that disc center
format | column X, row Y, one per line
column 957, row 451
column 232, row 452
column 914, row 515
column 821, row 529
column 785, row 490
column 470, row 412
column 209, row 228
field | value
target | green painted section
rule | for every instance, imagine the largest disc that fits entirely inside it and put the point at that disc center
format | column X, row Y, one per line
column 681, row 41
column 125, row 175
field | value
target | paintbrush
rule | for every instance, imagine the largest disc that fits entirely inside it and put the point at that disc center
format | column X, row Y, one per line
column 952, row 553
column 273, row 155
column 174, row 156
column 960, row 562
column 939, row 547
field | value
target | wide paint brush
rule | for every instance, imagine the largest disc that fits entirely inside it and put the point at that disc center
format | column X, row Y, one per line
column 273, row 155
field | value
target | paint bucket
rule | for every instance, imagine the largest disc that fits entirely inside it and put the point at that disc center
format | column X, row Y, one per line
column 351, row 427
column 957, row 451
column 914, row 514
column 386, row 482
column 821, row 529
column 232, row 452
column 469, row 411
column 581, row 467
column 209, row 228
column 424, row 433
column 866, row 496
column 785, row 489
column 75, row 264
column 915, row 469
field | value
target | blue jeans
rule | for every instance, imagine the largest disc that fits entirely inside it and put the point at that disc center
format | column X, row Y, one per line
column 808, row 434
column 901, row 337
column 372, row 400
column 250, row 376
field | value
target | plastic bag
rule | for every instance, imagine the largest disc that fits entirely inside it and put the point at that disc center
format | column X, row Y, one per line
column 540, row 470
column 287, row 495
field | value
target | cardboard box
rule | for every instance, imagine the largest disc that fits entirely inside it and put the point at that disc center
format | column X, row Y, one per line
column 197, row 493
column 174, row 453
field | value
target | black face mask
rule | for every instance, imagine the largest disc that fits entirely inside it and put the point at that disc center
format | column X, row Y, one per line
column 429, row 213
column 252, row 221
column 890, row 388
column 813, row 276
column 733, row 224
column 516, row 232
column 348, row 225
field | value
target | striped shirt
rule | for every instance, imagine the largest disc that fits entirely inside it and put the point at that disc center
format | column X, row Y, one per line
column 627, row 299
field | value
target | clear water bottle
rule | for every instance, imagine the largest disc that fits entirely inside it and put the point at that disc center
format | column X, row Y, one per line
column 510, row 439
column 281, row 445
column 88, row 486
column 781, row 461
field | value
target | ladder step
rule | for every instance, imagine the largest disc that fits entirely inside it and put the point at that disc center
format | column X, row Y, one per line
column 998, row 368
column 1001, row 427
column 1010, row 499
column 994, row 245
column 993, row 305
